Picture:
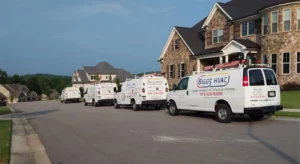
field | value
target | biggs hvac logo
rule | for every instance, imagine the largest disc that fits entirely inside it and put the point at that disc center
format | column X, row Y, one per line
column 213, row 80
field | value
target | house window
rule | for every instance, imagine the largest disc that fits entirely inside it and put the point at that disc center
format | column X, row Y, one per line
column 265, row 24
column 248, row 28
column 218, row 36
column 182, row 70
column 287, row 19
column 171, row 71
column 176, row 44
column 298, row 18
column 286, row 63
column 274, row 62
column 92, row 77
column 274, row 21
column 298, row 62
column 106, row 77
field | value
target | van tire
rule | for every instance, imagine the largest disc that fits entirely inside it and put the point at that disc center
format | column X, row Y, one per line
column 256, row 116
column 135, row 107
column 173, row 110
column 65, row 101
column 95, row 103
column 85, row 103
column 116, row 105
column 223, row 113
column 158, row 107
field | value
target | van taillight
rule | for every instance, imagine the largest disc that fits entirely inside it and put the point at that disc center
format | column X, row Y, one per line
column 245, row 81
column 167, row 90
column 143, row 90
column 98, row 92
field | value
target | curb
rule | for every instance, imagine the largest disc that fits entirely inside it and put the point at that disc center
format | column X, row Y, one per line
column 26, row 147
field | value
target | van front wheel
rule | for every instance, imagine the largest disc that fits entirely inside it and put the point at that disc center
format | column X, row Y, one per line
column 135, row 106
column 224, row 114
column 116, row 105
column 173, row 110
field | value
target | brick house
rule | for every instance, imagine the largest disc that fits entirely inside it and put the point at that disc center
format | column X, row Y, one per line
column 267, row 31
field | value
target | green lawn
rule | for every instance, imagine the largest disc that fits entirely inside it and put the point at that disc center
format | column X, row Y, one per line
column 290, row 99
column 4, row 110
column 288, row 114
column 5, row 132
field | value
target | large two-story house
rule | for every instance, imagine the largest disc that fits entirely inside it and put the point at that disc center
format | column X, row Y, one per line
column 265, row 30
column 103, row 71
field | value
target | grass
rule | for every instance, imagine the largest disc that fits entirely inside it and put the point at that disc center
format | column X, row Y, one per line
column 288, row 114
column 5, row 132
column 290, row 99
column 4, row 110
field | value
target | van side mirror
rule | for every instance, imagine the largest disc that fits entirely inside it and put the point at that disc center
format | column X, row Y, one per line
column 174, row 87
column 115, row 89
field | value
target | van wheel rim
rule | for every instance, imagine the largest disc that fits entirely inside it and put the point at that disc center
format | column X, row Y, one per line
column 172, row 108
column 222, row 113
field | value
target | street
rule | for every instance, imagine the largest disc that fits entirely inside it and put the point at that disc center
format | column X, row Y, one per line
column 75, row 134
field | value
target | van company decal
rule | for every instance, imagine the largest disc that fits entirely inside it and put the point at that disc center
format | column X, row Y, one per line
column 213, row 80
column 131, row 85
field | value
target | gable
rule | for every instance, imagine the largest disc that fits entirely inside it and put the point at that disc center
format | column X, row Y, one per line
column 174, row 35
column 212, row 13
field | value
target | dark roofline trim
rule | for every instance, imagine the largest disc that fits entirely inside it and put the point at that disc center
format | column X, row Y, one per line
column 277, row 5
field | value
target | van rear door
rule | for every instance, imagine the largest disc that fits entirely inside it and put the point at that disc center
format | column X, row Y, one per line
column 107, row 91
column 155, row 88
column 263, row 89
column 272, row 88
column 255, row 89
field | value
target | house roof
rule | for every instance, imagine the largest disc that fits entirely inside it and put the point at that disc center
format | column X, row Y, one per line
column 210, row 51
column 16, row 88
column 247, row 43
column 2, row 96
column 123, row 74
column 90, row 69
column 105, row 68
column 191, row 38
column 83, row 76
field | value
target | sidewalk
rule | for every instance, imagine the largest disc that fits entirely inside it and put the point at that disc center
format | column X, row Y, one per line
column 26, row 147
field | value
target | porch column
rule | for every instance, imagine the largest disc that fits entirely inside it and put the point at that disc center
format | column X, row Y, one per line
column 221, row 59
column 245, row 54
column 226, row 59
column 198, row 65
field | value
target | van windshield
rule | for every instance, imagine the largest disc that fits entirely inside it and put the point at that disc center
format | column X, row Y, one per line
column 256, row 78
column 270, row 77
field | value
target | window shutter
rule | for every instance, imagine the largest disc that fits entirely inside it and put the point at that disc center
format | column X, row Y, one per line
column 167, row 72
column 185, row 70
column 226, row 33
column 178, row 70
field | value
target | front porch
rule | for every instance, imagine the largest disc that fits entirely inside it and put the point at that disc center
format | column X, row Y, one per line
column 234, row 51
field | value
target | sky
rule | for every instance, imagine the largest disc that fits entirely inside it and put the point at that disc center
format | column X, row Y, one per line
column 61, row 36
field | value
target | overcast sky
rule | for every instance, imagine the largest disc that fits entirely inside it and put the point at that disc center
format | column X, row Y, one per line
column 60, row 36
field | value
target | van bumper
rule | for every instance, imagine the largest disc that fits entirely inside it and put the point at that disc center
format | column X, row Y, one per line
column 155, row 102
column 106, row 101
column 263, row 110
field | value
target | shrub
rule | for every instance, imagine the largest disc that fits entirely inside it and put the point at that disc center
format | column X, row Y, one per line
column 290, row 87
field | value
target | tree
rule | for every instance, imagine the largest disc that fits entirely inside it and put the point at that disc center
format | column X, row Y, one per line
column 110, row 78
column 81, row 91
column 3, row 77
column 16, row 79
column 117, row 81
column 33, row 85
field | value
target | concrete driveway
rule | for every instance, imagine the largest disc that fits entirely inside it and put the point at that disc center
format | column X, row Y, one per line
column 75, row 134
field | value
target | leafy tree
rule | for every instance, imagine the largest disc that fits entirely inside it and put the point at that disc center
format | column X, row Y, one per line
column 81, row 91
column 117, row 81
column 16, row 79
column 3, row 77
column 110, row 78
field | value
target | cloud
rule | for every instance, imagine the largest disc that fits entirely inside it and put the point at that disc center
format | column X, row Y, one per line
column 90, row 9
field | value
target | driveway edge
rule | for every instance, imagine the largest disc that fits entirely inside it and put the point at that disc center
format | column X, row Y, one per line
column 26, row 147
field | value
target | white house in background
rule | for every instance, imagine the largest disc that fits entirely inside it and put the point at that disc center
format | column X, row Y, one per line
column 102, row 71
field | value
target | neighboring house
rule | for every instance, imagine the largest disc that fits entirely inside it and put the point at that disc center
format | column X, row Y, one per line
column 14, row 92
column 103, row 71
column 43, row 97
column 264, row 30
column 33, row 96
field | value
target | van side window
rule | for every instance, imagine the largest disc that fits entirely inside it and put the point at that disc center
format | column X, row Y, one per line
column 183, row 85
column 256, row 78
column 270, row 77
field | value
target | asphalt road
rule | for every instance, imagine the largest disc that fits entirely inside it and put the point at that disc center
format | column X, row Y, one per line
column 75, row 134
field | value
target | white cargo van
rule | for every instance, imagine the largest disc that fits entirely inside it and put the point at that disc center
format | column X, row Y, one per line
column 70, row 94
column 98, row 94
column 144, row 91
column 244, row 90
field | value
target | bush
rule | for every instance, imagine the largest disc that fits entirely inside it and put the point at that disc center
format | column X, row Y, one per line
column 290, row 87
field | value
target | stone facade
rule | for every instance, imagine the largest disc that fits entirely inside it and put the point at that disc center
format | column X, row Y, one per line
column 177, row 57
column 281, row 42
column 218, row 21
